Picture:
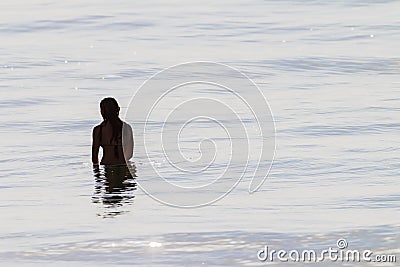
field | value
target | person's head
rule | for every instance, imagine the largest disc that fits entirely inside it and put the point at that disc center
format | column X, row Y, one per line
column 109, row 108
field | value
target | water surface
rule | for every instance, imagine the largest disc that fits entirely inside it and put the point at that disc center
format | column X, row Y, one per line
column 330, row 72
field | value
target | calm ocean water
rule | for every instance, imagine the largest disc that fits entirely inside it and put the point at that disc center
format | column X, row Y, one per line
column 330, row 73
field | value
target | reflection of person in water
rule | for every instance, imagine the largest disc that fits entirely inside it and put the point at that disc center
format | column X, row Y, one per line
column 109, row 135
column 114, row 187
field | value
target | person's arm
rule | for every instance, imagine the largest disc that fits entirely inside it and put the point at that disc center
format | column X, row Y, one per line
column 128, row 149
column 95, row 145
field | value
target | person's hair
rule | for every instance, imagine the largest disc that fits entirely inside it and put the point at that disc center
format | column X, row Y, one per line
column 110, row 111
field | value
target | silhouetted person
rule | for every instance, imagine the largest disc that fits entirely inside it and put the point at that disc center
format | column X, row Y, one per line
column 109, row 135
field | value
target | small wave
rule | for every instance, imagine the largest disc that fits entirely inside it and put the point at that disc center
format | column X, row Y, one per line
column 326, row 130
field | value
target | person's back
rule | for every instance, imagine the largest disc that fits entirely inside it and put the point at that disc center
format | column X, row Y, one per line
column 109, row 135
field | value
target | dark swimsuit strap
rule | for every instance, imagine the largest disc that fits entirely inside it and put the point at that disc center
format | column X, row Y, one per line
column 101, row 137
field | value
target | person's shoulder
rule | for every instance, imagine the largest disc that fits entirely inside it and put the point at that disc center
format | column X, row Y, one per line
column 126, row 128
column 96, row 128
column 127, row 125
